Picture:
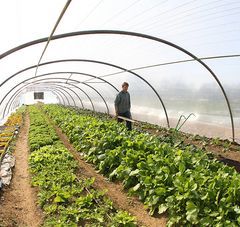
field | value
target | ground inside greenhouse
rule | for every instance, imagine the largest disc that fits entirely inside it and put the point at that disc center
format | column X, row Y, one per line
column 18, row 201
column 18, row 205
column 115, row 191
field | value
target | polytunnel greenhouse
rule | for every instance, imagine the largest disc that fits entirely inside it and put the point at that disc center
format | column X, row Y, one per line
column 67, row 157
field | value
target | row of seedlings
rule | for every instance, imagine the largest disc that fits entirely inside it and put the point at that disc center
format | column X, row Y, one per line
column 8, row 135
column 188, row 184
column 9, row 129
column 66, row 199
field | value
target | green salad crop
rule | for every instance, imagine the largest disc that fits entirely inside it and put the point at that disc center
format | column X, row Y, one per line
column 66, row 199
column 192, row 187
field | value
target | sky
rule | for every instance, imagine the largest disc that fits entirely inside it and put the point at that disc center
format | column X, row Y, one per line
column 204, row 28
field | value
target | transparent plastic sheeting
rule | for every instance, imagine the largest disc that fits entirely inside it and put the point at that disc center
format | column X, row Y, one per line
column 88, row 70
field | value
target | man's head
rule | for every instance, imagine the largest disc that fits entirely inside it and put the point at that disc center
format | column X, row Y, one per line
column 125, row 86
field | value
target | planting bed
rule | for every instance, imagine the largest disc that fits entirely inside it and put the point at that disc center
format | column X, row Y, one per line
column 184, row 181
column 18, row 200
column 66, row 198
column 10, row 129
column 87, row 170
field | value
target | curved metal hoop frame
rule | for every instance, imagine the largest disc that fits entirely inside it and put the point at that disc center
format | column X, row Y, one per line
column 76, row 81
column 62, row 89
column 90, row 75
column 140, row 35
column 51, row 89
column 56, row 89
column 103, row 63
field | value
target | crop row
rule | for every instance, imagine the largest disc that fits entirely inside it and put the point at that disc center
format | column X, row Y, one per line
column 188, row 184
column 16, row 118
column 66, row 199
column 10, row 128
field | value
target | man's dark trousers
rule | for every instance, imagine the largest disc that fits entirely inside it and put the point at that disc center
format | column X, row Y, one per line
column 126, row 114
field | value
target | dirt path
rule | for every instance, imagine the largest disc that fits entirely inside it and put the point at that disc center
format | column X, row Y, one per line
column 18, row 202
column 114, row 191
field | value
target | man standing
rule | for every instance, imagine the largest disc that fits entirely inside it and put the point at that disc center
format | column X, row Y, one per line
column 123, row 105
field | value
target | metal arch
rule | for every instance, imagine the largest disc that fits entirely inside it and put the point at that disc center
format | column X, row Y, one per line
column 99, row 62
column 42, row 80
column 99, row 94
column 59, row 100
column 85, row 74
column 61, row 87
column 17, row 104
column 74, row 93
column 61, row 92
column 17, row 96
column 72, row 90
column 68, row 84
column 56, row 96
column 88, row 86
column 58, row 82
column 13, row 106
column 54, row 88
column 78, row 73
column 128, row 33
column 64, row 103
column 60, row 79
column 57, row 90
column 82, row 83
column 90, row 75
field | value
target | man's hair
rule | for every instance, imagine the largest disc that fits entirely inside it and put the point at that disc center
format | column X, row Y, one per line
column 125, row 84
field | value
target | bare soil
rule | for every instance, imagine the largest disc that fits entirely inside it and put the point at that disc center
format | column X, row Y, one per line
column 115, row 191
column 18, row 205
